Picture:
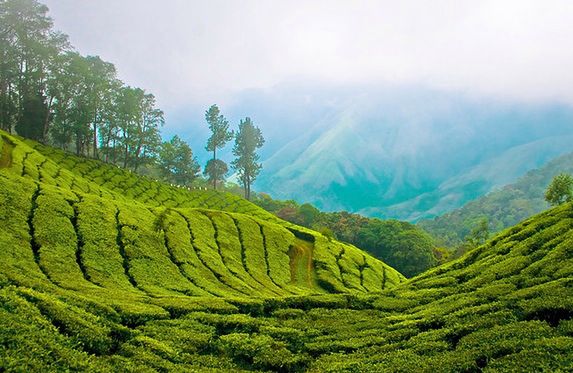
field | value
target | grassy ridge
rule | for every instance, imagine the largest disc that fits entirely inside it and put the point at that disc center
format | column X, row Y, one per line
column 110, row 272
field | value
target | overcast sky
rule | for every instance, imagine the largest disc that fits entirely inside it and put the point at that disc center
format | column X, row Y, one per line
column 199, row 52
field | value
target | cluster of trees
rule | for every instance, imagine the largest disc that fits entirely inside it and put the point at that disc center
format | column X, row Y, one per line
column 402, row 245
column 51, row 93
column 248, row 139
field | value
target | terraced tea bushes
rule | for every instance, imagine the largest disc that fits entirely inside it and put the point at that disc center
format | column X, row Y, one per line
column 126, row 233
column 106, row 271
column 144, row 189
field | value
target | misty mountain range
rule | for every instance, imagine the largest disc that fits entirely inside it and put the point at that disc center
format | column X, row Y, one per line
column 401, row 152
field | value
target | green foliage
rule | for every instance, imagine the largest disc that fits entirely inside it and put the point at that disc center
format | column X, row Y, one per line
column 260, row 351
column 560, row 190
column 502, row 208
column 479, row 234
column 104, row 270
column 34, row 115
column 247, row 140
column 219, row 126
column 220, row 134
column 406, row 247
column 216, row 170
column 402, row 245
column 177, row 163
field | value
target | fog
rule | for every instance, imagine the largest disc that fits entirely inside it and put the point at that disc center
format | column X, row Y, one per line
column 200, row 52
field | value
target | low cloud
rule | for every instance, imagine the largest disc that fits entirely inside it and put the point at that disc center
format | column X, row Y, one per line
column 202, row 52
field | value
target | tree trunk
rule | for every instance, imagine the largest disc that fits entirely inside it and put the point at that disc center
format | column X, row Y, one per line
column 216, row 176
column 126, row 153
column 47, row 120
column 248, row 188
column 78, row 141
column 113, row 156
column 137, row 157
column 95, row 140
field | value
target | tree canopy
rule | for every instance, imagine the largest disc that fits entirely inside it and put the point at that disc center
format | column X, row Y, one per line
column 216, row 170
column 560, row 190
column 247, row 140
column 177, row 163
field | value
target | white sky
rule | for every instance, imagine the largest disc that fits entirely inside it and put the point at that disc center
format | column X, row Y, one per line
column 200, row 52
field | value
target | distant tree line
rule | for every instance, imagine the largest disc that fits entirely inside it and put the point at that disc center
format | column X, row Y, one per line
column 51, row 93
column 402, row 245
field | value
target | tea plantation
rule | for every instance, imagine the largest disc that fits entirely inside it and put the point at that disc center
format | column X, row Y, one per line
column 105, row 270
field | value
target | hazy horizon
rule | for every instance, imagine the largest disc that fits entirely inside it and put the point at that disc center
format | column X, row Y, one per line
column 447, row 75
column 191, row 54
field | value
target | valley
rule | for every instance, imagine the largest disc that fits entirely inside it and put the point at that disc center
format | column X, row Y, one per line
column 106, row 270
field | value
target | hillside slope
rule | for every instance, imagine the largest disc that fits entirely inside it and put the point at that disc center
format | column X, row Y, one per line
column 91, row 226
column 503, row 207
column 99, row 282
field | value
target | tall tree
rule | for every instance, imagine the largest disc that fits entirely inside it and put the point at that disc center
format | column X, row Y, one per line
column 147, row 138
column 100, row 82
column 220, row 135
column 139, row 122
column 109, row 133
column 247, row 140
column 29, row 47
column 216, row 170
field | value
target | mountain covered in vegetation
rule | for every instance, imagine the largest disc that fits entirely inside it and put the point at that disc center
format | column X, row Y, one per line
column 502, row 207
column 405, row 152
column 106, row 270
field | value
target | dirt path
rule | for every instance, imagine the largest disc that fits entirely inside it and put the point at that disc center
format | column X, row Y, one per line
column 301, row 263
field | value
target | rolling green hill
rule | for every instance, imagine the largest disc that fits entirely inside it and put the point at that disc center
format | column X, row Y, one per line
column 96, row 227
column 105, row 270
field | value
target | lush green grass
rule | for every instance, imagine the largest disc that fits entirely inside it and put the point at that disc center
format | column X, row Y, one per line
column 103, row 270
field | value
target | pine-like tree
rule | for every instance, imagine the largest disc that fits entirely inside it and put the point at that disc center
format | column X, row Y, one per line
column 247, row 140
column 220, row 135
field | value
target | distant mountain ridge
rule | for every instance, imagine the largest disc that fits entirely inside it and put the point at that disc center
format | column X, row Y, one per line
column 413, row 153
column 503, row 207
column 481, row 179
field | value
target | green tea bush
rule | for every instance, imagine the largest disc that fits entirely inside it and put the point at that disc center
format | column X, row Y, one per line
column 87, row 330
column 261, row 351
column 29, row 342
column 277, row 241
column 254, row 251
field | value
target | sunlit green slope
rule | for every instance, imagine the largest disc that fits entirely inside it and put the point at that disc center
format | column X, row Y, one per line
column 83, row 225
column 96, row 276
